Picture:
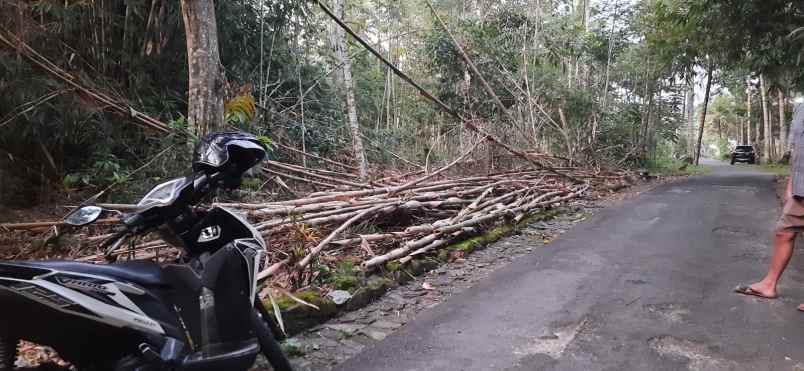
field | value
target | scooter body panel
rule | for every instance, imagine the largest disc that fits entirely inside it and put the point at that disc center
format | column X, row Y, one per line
column 205, row 304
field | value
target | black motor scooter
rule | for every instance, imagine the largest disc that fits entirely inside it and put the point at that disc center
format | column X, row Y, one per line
column 197, row 313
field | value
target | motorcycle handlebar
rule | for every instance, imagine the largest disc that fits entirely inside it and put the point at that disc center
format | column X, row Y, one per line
column 132, row 221
column 136, row 223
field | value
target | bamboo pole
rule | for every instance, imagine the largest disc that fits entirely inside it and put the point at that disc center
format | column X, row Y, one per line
column 349, row 167
column 317, row 250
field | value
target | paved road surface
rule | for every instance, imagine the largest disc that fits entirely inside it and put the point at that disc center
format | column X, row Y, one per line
column 645, row 285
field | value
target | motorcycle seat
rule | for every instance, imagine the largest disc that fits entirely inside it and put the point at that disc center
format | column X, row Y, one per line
column 143, row 272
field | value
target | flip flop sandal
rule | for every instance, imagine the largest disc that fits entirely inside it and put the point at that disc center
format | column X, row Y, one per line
column 747, row 290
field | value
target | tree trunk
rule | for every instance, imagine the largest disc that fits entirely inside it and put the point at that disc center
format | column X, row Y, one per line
column 703, row 113
column 642, row 134
column 603, row 111
column 767, row 143
column 745, row 134
column 646, row 127
column 205, row 104
column 690, row 117
column 782, row 123
column 749, row 124
column 741, row 132
column 341, row 52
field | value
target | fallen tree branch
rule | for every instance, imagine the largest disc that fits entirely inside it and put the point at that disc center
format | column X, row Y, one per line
column 38, row 225
column 317, row 250
column 304, row 180
column 41, row 61
column 460, row 158
column 447, row 226
column 398, row 157
column 307, row 172
column 336, row 163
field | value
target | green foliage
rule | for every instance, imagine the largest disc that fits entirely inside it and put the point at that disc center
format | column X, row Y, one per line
column 103, row 172
column 664, row 163
column 116, row 51
column 252, row 184
column 267, row 142
column 723, row 149
column 346, row 276
column 75, row 181
column 495, row 47
column 240, row 110
column 675, row 168
column 606, row 91
column 393, row 266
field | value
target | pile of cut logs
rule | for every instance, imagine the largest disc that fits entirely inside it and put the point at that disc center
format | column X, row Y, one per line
column 389, row 220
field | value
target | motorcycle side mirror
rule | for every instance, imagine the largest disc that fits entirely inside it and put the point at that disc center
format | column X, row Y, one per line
column 83, row 215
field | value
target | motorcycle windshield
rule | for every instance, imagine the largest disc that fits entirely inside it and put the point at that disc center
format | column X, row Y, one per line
column 164, row 194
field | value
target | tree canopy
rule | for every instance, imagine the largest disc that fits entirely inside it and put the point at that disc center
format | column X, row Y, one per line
column 602, row 83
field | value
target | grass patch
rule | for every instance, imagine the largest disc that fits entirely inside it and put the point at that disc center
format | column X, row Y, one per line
column 674, row 168
column 778, row 169
column 689, row 170
column 393, row 266
column 346, row 276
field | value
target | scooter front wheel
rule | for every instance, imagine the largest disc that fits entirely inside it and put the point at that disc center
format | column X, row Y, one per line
column 270, row 347
column 8, row 352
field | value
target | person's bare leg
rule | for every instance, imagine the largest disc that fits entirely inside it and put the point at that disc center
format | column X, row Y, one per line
column 782, row 251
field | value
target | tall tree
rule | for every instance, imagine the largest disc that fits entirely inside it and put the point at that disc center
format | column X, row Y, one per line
column 782, row 123
column 703, row 112
column 689, row 116
column 749, row 120
column 205, row 97
column 683, row 33
column 340, row 45
column 767, row 140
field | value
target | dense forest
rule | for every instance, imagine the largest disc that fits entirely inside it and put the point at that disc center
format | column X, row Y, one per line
column 599, row 83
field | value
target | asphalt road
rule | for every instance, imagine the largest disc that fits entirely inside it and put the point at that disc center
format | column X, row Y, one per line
column 643, row 285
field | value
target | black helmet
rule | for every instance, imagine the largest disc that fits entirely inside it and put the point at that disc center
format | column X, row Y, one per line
column 230, row 151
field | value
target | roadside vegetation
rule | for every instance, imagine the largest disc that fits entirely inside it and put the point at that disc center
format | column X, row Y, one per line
column 676, row 168
column 777, row 169
column 666, row 162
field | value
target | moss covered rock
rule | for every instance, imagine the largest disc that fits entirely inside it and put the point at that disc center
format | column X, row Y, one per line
column 347, row 276
column 469, row 245
column 374, row 288
column 420, row 266
column 297, row 316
